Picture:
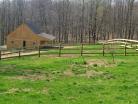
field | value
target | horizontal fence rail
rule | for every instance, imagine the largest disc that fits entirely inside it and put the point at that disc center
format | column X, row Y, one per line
column 79, row 49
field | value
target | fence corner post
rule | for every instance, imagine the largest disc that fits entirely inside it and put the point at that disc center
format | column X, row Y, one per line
column 39, row 51
column 82, row 50
column 19, row 53
column 59, row 50
column 0, row 55
column 103, row 49
column 125, row 49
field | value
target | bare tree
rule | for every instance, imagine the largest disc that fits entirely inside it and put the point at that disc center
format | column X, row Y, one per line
column 73, row 21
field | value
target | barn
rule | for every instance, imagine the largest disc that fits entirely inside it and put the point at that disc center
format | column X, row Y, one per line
column 28, row 35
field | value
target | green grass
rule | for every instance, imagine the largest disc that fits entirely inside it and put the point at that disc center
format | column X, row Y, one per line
column 33, row 80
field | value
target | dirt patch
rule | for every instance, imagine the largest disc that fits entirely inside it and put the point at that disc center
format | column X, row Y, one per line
column 69, row 73
column 25, row 90
column 91, row 73
column 13, row 90
column 27, row 74
column 16, row 90
column 88, row 73
column 30, row 77
column 63, row 56
column 66, row 47
column 100, row 63
column 44, row 90
column 69, row 55
column 33, row 77
column 71, row 98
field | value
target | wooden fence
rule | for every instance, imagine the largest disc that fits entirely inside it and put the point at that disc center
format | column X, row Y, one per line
column 6, row 54
column 80, row 49
column 102, row 49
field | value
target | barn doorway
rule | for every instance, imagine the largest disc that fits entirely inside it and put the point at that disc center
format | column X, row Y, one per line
column 24, row 44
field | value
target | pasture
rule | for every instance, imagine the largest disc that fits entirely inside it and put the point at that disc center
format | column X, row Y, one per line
column 70, row 79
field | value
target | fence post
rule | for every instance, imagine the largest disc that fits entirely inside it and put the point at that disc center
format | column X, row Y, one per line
column 103, row 49
column 19, row 53
column 125, row 49
column 82, row 50
column 59, row 50
column 39, row 52
column 0, row 55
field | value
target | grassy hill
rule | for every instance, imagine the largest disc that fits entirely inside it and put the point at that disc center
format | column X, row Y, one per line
column 69, row 80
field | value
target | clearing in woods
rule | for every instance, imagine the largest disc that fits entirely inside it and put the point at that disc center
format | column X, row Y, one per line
column 69, row 80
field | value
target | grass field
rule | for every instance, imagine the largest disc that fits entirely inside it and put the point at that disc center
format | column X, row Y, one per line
column 69, row 80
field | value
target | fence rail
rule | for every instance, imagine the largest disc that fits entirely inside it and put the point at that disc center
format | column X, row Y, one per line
column 83, row 49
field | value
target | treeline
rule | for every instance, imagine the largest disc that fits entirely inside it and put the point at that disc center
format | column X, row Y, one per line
column 73, row 20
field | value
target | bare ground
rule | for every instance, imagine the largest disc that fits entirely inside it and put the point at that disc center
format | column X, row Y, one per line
column 25, row 90
column 100, row 63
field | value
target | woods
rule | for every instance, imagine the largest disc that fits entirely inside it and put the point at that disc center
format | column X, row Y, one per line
column 73, row 21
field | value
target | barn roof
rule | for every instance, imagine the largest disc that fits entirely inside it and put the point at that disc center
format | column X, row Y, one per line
column 48, row 36
column 38, row 31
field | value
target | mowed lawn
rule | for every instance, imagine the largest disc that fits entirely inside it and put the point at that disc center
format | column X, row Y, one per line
column 69, row 80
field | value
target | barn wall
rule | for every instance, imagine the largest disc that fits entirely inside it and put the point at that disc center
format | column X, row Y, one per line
column 23, row 33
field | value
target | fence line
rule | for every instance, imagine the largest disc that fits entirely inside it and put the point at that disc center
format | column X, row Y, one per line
column 81, row 50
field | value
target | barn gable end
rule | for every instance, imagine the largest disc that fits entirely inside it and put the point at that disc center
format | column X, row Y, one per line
column 25, row 36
